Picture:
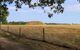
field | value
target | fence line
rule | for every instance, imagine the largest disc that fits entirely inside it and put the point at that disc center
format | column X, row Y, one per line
column 43, row 40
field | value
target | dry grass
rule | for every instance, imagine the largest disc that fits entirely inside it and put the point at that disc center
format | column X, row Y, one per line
column 60, row 34
column 6, row 43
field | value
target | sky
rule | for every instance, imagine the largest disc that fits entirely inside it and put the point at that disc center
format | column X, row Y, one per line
column 71, row 14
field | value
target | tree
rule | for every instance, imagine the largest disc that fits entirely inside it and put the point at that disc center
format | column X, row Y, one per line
column 55, row 5
column 3, row 13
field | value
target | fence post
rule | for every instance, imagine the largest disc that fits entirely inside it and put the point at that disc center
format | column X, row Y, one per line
column 8, row 28
column 0, row 25
column 43, row 34
column 19, row 32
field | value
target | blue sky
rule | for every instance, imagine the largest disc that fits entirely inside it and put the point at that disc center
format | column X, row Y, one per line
column 71, row 14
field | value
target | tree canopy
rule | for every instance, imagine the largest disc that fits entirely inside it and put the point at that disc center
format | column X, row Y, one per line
column 3, row 13
column 55, row 5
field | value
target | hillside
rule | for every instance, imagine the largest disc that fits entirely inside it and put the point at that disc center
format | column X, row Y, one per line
column 35, row 23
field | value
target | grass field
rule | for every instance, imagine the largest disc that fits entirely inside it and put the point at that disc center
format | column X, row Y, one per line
column 58, row 34
column 7, row 42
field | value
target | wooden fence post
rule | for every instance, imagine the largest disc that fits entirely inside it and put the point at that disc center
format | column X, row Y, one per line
column 20, row 32
column 0, row 25
column 8, row 28
column 43, row 34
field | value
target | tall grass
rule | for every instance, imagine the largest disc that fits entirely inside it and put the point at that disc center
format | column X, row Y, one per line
column 60, row 34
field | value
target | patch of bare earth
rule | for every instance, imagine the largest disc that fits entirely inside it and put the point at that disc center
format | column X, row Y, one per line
column 6, row 44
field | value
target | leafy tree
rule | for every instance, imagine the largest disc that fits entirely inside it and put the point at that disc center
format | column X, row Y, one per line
column 55, row 5
column 3, row 13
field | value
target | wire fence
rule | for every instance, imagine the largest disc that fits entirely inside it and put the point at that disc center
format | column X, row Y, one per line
column 25, row 32
column 42, row 37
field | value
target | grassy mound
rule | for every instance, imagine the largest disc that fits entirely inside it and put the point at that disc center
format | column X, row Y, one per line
column 35, row 23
